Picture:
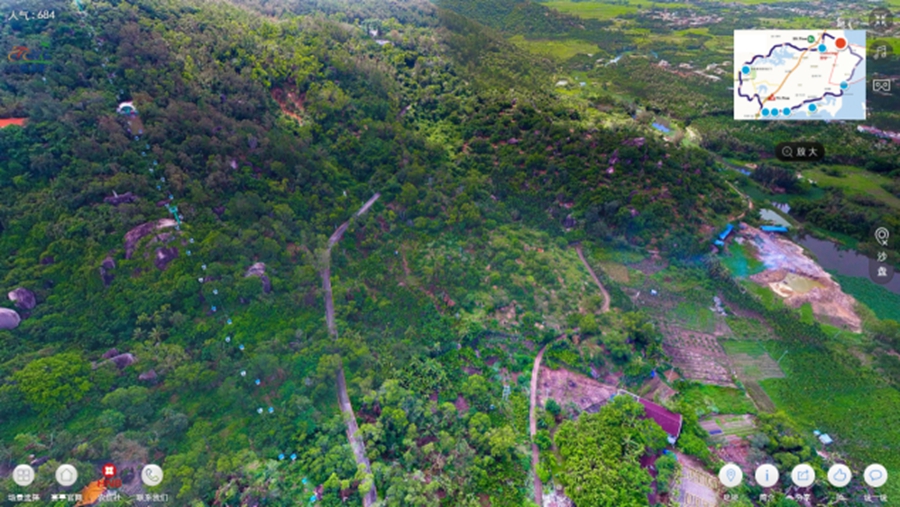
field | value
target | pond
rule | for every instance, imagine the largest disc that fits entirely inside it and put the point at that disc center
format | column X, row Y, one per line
column 844, row 262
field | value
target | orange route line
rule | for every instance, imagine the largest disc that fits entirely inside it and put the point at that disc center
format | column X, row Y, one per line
column 799, row 61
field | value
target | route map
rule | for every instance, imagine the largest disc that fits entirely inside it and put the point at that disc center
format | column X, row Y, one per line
column 800, row 75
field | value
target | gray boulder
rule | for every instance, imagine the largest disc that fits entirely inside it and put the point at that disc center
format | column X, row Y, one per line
column 106, row 268
column 117, row 199
column 23, row 298
column 134, row 235
column 259, row 270
column 164, row 256
column 148, row 376
column 9, row 319
column 123, row 360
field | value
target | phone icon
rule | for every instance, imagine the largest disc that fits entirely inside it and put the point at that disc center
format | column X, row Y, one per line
column 152, row 475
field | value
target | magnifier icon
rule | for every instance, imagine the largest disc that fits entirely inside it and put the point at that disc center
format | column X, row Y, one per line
column 787, row 152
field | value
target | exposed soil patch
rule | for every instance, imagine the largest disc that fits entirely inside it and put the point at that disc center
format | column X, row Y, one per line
column 567, row 387
column 799, row 279
column 290, row 104
column 736, row 451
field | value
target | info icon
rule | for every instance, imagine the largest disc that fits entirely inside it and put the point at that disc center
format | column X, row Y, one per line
column 731, row 475
column 767, row 475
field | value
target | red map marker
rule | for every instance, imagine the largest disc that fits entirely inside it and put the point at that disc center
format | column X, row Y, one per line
column 840, row 43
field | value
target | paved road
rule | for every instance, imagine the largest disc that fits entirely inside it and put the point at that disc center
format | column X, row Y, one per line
column 535, row 373
column 356, row 442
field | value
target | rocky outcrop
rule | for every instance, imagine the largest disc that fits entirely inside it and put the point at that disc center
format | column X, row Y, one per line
column 164, row 256
column 148, row 376
column 123, row 360
column 111, row 353
column 23, row 298
column 259, row 270
column 117, row 199
column 106, row 268
column 134, row 235
column 9, row 319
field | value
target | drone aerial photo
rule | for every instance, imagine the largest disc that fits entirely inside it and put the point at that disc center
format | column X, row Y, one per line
column 450, row 253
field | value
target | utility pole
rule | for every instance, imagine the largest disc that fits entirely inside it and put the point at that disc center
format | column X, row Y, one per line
column 782, row 357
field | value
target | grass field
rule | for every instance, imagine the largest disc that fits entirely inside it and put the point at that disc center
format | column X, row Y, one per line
column 694, row 316
column 744, row 328
column 749, row 347
column 883, row 302
column 707, row 399
column 856, row 181
column 766, row 296
column 740, row 262
column 618, row 272
column 828, row 390
column 750, row 360
column 590, row 10
column 558, row 50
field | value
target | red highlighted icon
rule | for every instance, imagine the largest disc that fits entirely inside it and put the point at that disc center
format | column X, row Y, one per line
column 109, row 470
column 840, row 43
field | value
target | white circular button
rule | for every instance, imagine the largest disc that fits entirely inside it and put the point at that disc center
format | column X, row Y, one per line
column 66, row 475
column 839, row 475
column 766, row 475
column 152, row 475
column 731, row 475
column 875, row 475
column 23, row 475
column 803, row 475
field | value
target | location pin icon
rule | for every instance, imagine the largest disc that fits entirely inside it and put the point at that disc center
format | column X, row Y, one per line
column 730, row 473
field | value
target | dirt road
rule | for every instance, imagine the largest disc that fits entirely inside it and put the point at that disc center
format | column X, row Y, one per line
column 535, row 452
column 605, row 307
column 535, row 373
column 356, row 442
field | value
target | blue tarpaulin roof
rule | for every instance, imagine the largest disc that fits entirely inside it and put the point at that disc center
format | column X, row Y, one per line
column 719, row 242
column 726, row 232
column 774, row 228
column 661, row 128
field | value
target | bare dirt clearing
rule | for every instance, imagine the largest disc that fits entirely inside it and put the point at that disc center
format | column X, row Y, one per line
column 567, row 387
column 799, row 279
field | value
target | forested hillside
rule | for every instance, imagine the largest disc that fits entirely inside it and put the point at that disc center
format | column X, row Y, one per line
column 270, row 126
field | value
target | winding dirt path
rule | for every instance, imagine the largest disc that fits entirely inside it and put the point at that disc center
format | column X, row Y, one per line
column 535, row 452
column 605, row 307
column 535, row 373
column 356, row 442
